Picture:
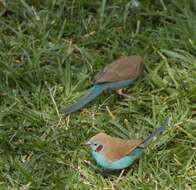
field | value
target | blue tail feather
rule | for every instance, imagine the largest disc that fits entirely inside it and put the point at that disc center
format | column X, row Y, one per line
column 155, row 133
column 93, row 92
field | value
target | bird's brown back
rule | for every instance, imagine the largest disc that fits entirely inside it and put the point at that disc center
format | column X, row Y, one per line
column 121, row 148
column 124, row 68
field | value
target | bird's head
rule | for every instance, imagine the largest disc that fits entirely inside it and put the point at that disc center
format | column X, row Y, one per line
column 98, row 142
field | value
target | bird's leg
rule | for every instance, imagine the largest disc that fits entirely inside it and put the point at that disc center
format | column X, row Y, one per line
column 120, row 92
column 120, row 176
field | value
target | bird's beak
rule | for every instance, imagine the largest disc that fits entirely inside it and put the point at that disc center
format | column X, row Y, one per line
column 87, row 143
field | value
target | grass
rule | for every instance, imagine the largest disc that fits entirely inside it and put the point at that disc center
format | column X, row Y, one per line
column 49, row 52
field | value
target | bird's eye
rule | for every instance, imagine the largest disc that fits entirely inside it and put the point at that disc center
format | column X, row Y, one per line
column 95, row 144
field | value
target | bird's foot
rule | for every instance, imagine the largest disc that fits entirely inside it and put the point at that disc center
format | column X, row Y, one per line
column 120, row 92
column 120, row 176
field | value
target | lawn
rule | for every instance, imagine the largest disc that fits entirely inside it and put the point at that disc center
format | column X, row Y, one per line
column 49, row 52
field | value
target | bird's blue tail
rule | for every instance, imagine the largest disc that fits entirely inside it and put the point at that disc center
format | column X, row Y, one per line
column 93, row 92
column 156, row 132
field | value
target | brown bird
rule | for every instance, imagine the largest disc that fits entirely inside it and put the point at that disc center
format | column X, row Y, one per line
column 113, row 153
column 115, row 76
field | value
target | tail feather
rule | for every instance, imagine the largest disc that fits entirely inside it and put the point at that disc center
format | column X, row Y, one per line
column 156, row 133
column 93, row 92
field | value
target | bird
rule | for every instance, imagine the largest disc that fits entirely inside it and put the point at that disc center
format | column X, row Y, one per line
column 112, row 153
column 114, row 76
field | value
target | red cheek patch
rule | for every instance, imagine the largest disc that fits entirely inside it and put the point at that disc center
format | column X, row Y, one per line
column 99, row 148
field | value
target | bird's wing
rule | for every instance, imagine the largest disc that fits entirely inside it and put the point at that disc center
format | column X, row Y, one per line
column 117, row 148
column 124, row 68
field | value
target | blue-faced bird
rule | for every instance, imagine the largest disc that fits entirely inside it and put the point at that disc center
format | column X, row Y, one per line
column 115, row 76
column 113, row 153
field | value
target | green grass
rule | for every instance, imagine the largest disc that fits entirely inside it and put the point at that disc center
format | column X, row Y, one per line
column 49, row 52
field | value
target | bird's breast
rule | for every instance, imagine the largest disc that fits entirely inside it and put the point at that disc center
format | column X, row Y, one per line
column 101, row 160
